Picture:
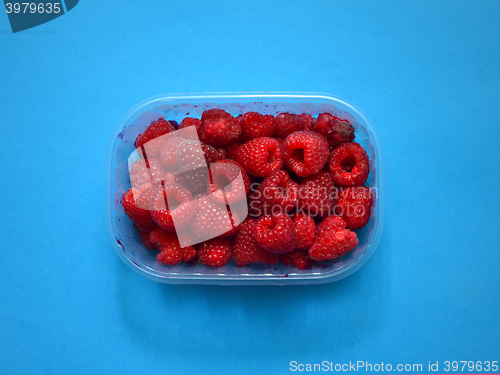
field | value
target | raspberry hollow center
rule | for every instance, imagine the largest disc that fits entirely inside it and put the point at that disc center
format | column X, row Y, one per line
column 298, row 155
column 172, row 202
column 271, row 158
column 222, row 183
column 348, row 163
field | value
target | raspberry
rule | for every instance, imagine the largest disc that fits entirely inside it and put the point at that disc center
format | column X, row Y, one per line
column 189, row 121
column 349, row 165
column 221, row 154
column 332, row 239
column 172, row 207
column 246, row 250
column 228, row 183
column 190, row 153
column 309, row 122
column 287, row 124
column 305, row 152
column 189, row 254
column 156, row 129
column 146, row 172
column 285, row 168
column 193, row 166
column 196, row 123
column 213, row 219
column 219, row 127
column 169, row 178
column 144, row 235
column 305, row 228
column 136, row 206
column 254, row 125
column 260, row 156
column 297, row 258
column 277, row 193
column 281, row 142
column 335, row 130
column 231, row 150
column 316, row 195
column 216, row 252
column 275, row 233
column 171, row 252
column 354, row 205
column 211, row 154
column 195, row 181
column 190, row 156
column 168, row 152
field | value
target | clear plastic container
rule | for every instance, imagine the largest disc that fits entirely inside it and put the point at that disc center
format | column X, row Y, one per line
column 126, row 241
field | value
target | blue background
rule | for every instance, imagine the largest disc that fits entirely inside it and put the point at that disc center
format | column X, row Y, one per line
column 427, row 74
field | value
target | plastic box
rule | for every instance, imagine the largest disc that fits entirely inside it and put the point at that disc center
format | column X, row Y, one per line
column 125, row 239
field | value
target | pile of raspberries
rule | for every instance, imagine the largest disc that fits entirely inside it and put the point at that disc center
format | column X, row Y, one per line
column 301, row 177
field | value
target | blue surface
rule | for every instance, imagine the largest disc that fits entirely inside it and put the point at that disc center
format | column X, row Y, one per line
column 426, row 73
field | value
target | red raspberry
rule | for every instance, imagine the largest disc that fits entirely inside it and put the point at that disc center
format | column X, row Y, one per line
column 305, row 152
column 231, row 150
column 172, row 207
column 189, row 254
column 144, row 235
column 246, row 250
column 305, row 228
column 332, row 239
column 228, row 182
column 168, row 245
column 285, row 168
column 297, row 258
column 153, row 131
column 316, row 194
column 260, row 156
column 169, row 257
column 219, row 127
column 190, row 156
column 146, row 172
column 193, row 166
column 169, row 178
column 287, row 124
column 309, row 122
column 277, row 193
column 281, row 142
column 221, row 154
column 254, row 125
column 168, row 152
column 171, row 252
column 275, row 233
column 354, row 205
column 216, row 252
column 195, row 181
column 192, row 122
column 213, row 219
column 349, row 165
column 335, row 130
column 211, row 154
column 136, row 205
column 189, row 121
